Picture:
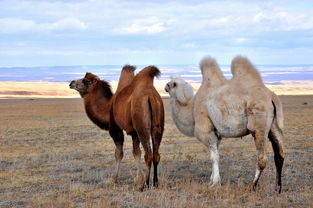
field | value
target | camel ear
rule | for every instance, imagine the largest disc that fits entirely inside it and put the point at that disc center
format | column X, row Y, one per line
column 184, row 93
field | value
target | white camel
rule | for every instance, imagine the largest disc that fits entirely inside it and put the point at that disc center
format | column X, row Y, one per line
column 230, row 108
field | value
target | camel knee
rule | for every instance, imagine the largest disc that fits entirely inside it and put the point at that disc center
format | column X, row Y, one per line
column 262, row 161
column 203, row 137
column 156, row 158
column 119, row 154
column 148, row 158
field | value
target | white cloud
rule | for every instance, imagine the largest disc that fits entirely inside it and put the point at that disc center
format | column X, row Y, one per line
column 64, row 24
column 189, row 45
column 87, row 27
column 283, row 20
column 142, row 29
column 15, row 25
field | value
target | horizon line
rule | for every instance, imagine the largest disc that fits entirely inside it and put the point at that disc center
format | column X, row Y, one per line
column 99, row 65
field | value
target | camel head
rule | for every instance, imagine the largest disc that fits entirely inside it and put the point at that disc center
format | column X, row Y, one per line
column 179, row 89
column 86, row 84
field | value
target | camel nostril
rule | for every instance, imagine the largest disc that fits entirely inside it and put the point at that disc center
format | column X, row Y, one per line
column 167, row 87
column 71, row 84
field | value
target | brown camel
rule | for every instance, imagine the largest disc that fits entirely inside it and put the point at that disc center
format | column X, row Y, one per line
column 136, row 107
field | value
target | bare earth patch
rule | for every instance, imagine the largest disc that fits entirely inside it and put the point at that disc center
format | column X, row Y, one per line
column 51, row 155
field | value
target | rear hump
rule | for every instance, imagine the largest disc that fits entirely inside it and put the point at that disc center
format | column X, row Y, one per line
column 244, row 71
column 154, row 71
column 149, row 71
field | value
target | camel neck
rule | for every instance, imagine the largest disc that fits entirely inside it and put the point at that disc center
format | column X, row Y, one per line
column 183, row 116
column 98, row 108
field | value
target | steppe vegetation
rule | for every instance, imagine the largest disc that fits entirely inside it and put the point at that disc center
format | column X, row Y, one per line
column 51, row 155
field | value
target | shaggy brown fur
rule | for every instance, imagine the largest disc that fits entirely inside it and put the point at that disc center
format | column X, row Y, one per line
column 136, row 108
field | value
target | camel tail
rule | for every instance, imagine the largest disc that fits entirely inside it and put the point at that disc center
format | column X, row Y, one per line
column 157, row 115
column 279, row 116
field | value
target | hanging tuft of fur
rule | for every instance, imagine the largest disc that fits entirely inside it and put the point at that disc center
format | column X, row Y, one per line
column 106, row 89
column 129, row 68
column 243, row 70
column 154, row 71
column 149, row 71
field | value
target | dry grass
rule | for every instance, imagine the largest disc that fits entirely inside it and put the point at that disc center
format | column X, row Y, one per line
column 51, row 155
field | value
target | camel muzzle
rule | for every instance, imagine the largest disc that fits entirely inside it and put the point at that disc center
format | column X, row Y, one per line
column 72, row 85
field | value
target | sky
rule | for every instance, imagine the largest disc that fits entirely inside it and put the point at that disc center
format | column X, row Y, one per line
column 107, row 32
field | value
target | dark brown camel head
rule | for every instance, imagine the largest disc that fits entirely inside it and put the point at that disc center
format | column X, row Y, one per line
column 89, row 84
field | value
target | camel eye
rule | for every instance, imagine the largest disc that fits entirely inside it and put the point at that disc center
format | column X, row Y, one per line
column 86, row 82
column 174, row 84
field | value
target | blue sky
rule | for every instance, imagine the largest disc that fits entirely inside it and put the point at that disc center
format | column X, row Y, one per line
column 94, row 32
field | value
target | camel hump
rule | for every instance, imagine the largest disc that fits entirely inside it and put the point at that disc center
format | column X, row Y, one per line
column 149, row 71
column 208, row 63
column 210, row 70
column 129, row 68
column 243, row 70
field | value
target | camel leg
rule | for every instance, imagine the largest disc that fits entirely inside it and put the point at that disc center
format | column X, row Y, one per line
column 205, row 134
column 156, row 140
column 144, row 138
column 137, row 156
column 215, row 176
column 259, row 139
column 118, row 139
column 275, row 137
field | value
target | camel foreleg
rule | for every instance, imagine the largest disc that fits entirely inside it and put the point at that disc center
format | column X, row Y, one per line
column 118, row 139
column 207, row 136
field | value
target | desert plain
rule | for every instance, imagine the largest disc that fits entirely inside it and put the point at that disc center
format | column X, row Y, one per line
column 51, row 155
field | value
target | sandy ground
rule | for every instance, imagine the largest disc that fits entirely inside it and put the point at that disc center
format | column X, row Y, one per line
column 51, row 155
column 61, row 89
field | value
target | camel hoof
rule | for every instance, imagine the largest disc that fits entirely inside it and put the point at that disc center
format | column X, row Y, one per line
column 139, row 180
column 114, row 179
column 279, row 188
column 252, row 187
column 214, row 185
column 140, row 189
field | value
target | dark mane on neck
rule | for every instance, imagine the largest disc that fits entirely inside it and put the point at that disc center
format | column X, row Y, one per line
column 106, row 89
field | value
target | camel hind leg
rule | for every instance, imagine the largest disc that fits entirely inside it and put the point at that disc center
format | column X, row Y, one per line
column 259, row 139
column 144, row 138
column 137, row 156
column 275, row 136
column 156, row 141
column 259, row 124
